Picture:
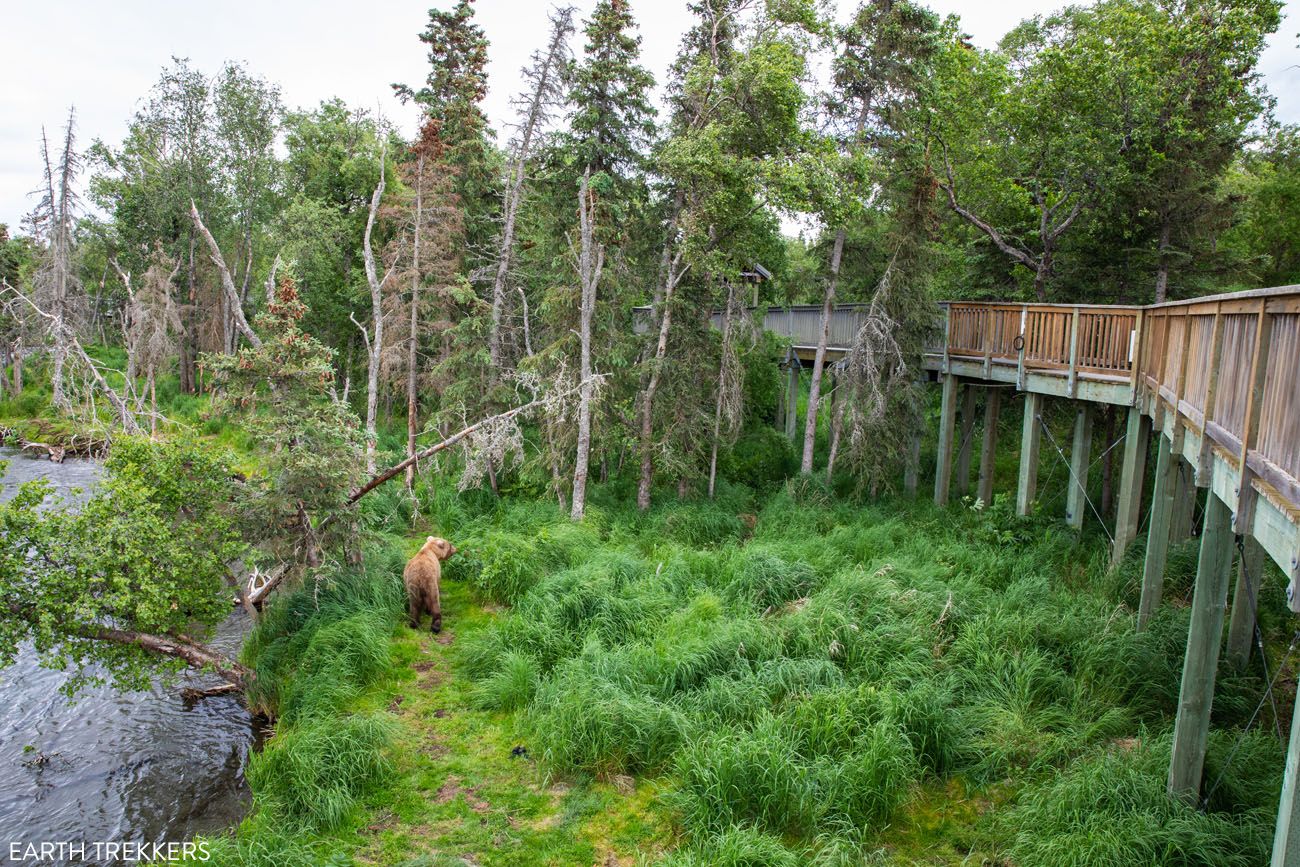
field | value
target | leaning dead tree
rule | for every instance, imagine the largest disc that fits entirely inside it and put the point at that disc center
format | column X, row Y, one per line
column 227, row 281
column 546, row 75
column 60, row 333
column 591, row 261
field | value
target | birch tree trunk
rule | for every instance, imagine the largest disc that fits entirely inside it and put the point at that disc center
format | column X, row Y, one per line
column 412, row 421
column 819, row 359
column 590, row 263
column 652, row 385
column 374, row 338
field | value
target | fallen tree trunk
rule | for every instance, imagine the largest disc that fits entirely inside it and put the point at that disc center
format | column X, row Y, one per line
column 384, row 476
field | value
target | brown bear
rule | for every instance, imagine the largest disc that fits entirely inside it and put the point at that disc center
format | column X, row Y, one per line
column 421, row 578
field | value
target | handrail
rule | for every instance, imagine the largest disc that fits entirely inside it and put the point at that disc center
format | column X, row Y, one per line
column 1226, row 366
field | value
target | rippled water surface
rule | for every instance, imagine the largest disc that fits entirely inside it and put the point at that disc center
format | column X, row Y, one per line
column 140, row 767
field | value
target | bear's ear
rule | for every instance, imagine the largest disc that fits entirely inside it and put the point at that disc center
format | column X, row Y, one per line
column 430, row 539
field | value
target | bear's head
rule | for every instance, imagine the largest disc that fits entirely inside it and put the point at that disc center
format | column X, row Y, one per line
column 440, row 548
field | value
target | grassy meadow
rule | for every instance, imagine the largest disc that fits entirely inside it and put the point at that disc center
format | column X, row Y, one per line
column 786, row 675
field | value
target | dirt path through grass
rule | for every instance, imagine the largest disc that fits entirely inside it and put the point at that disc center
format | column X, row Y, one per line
column 470, row 792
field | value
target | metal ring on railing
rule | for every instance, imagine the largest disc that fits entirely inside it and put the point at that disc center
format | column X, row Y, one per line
column 1019, row 343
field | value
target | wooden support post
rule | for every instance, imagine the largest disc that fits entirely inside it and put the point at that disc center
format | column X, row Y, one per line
column 1183, row 517
column 1076, row 501
column 1196, row 695
column 779, row 421
column 1127, row 513
column 1286, row 836
column 967, row 439
column 1162, row 509
column 912, row 469
column 988, row 448
column 1241, row 626
column 792, row 398
column 1030, row 437
column 943, row 455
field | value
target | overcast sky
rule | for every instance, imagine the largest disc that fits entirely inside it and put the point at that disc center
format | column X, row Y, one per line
column 103, row 57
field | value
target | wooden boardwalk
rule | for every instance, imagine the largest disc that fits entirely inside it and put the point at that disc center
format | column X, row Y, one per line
column 1216, row 379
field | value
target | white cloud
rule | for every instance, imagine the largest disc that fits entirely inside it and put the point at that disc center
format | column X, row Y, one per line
column 103, row 57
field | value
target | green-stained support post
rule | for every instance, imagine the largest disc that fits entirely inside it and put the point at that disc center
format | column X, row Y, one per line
column 792, row 398
column 966, row 448
column 1286, row 837
column 1138, row 431
column 1076, row 501
column 1030, row 438
column 1184, row 514
column 943, row 457
column 1241, row 626
column 912, row 469
column 1162, row 510
column 988, row 448
column 1196, row 695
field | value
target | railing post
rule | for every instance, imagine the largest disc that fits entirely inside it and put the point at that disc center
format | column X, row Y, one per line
column 1135, row 353
column 991, row 315
column 1072, row 382
column 1243, row 513
column 1203, row 463
column 947, row 339
column 1020, row 354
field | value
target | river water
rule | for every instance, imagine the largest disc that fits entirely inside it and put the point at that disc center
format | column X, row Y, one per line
column 140, row 767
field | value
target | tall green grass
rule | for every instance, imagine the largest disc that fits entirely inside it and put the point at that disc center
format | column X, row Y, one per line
column 796, row 671
column 320, row 652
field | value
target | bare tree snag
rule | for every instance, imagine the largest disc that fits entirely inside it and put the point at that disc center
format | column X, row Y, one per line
column 590, row 263
column 545, row 74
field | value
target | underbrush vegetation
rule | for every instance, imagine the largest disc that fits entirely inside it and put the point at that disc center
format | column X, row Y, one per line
column 798, row 672
column 322, row 655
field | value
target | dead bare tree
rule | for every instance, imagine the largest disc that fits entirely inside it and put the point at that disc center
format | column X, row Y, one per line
column 591, row 261
column 55, row 287
column 150, row 326
column 546, row 75
column 874, row 369
column 61, row 334
column 374, row 336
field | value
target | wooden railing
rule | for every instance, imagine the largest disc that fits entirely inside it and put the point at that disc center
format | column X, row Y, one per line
column 1093, row 341
column 1228, row 366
